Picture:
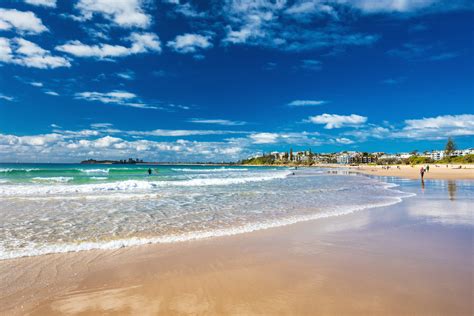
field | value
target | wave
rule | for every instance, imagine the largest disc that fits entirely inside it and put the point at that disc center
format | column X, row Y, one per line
column 209, row 169
column 189, row 236
column 71, row 170
column 94, row 171
column 13, row 170
column 53, row 179
column 128, row 185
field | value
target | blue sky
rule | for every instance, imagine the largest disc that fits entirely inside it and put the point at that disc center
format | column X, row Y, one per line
column 177, row 80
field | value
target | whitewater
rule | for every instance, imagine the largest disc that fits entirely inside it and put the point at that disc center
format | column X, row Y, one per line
column 63, row 208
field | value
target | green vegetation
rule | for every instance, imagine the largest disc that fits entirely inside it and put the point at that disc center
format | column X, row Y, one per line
column 458, row 159
column 417, row 160
column 264, row 160
column 450, row 147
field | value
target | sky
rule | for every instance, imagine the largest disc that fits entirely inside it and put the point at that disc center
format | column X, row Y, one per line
column 177, row 80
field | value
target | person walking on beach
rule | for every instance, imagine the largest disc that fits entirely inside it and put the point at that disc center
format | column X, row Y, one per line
column 422, row 173
column 427, row 168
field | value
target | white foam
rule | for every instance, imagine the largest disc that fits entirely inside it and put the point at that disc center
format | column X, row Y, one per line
column 223, row 169
column 135, row 241
column 22, row 169
column 99, row 178
column 127, row 185
column 95, row 171
column 53, row 179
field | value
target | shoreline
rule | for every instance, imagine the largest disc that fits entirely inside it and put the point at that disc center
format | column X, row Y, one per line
column 437, row 172
column 355, row 263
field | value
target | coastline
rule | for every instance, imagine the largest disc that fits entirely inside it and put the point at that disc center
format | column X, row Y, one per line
column 365, row 262
column 438, row 172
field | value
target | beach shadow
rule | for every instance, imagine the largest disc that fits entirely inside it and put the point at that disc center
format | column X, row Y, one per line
column 452, row 190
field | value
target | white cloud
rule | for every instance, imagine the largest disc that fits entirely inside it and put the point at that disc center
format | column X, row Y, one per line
column 189, row 43
column 36, row 84
column 119, row 97
column 101, row 125
column 431, row 128
column 438, row 127
column 186, row 9
column 22, row 21
column 44, row 3
column 181, row 133
column 25, row 53
column 217, row 122
column 442, row 121
column 337, row 121
column 262, row 23
column 127, row 75
column 343, row 140
column 300, row 138
column 264, row 138
column 370, row 6
column 6, row 97
column 140, row 43
column 123, row 13
column 76, row 146
column 53, row 93
column 306, row 102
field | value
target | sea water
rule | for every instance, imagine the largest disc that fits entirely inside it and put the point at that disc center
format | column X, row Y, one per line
column 51, row 208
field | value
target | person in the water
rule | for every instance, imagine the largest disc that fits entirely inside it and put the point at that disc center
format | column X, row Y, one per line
column 149, row 171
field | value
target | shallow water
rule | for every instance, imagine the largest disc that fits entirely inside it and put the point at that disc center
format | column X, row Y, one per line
column 61, row 208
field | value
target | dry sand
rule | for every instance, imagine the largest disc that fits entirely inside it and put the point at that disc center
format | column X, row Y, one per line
column 385, row 261
column 446, row 172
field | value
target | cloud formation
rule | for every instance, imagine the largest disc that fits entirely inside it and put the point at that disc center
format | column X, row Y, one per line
column 21, row 21
column 122, row 13
column 22, row 52
column 189, row 43
column 306, row 102
column 331, row 121
column 6, row 97
column 438, row 127
column 43, row 3
column 217, row 122
column 119, row 97
column 140, row 43
column 108, row 147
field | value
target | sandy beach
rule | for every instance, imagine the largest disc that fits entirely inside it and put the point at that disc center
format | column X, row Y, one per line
column 410, row 258
column 446, row 172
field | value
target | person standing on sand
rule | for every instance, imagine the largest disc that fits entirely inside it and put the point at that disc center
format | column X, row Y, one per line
column 422, row 173
column 427, row 168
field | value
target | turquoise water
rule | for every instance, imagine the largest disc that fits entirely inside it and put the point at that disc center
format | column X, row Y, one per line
column 50, row 208
column 84, row 173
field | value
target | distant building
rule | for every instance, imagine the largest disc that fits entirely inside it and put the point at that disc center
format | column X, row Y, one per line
column 437, row 155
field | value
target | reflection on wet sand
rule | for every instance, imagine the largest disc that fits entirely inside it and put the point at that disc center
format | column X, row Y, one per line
column 452, row 190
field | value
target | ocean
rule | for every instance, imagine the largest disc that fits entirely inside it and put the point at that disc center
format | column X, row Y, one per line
column 53, row 208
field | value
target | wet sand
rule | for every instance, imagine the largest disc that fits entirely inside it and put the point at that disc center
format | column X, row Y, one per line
column 413, row 258
column 451, row 172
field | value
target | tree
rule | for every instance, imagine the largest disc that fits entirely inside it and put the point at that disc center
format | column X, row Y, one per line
column 291, row 154
column 450, row 147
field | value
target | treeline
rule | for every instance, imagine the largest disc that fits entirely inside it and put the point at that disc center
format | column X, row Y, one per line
column 263, row 160
column 419, row 160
